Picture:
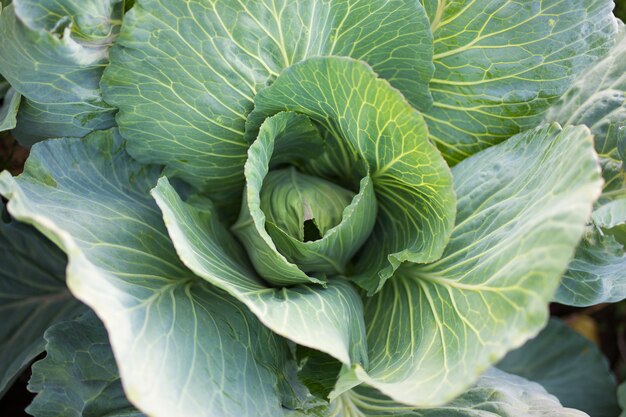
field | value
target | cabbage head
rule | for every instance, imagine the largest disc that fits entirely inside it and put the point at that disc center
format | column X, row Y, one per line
column 292, row 208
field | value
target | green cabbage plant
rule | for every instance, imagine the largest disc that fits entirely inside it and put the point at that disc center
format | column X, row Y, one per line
column 340, row 208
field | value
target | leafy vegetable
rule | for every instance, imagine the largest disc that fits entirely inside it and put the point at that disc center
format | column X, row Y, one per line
column 256, row 200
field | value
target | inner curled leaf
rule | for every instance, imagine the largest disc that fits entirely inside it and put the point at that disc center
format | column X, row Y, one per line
column 301, row 225
column 291, row 200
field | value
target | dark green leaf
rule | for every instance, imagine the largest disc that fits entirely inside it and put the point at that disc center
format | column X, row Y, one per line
column 78, row 377
column 33, row 296
column 568, row 366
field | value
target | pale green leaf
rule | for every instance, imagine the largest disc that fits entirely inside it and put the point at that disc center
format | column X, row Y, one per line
column 201, row 63
column 597, row 274
column 373, row 122
column 91, row 21
column 522, row 209
column 183, row 347
column 499, row 64
column 276, row 203
column 568, row 366
column 78, row 377
column 611, row 214
column 36, row 121
column 598, row 100
column 328, row 319
column 495, row 394
column 53, row 52
column 33, row 296
column 8, row 110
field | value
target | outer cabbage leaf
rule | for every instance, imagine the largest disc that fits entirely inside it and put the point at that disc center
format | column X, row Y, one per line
column 496, row 393
column 78, row 377
column 611, row 215
column 37, row 121
column 522, row 209
column 373, row 122
column 597, row 273
column 8, row 110
column 499, row 64
column 568, row 366
column 53, row 52
column 200, row 64
column 328, row 319
column 183, row 347
column 598, row 100
column 33, row 296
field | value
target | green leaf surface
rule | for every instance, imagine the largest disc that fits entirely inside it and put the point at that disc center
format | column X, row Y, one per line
column 91, row 21
column 496, row 393
column 183, row 347
column 328, row 319
column 522, row 209
column 568, row 366
column 202, row 62
column 33, row 296
column 8, row 110
column 499, row 64
column 611, row 214
column 597, row 274
column 598, row 100
column 53, row 53
column 36, row 121
column 78, row 377
column 290, row 198
column 373, row 122
column 317, row 371
column 271, row 222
